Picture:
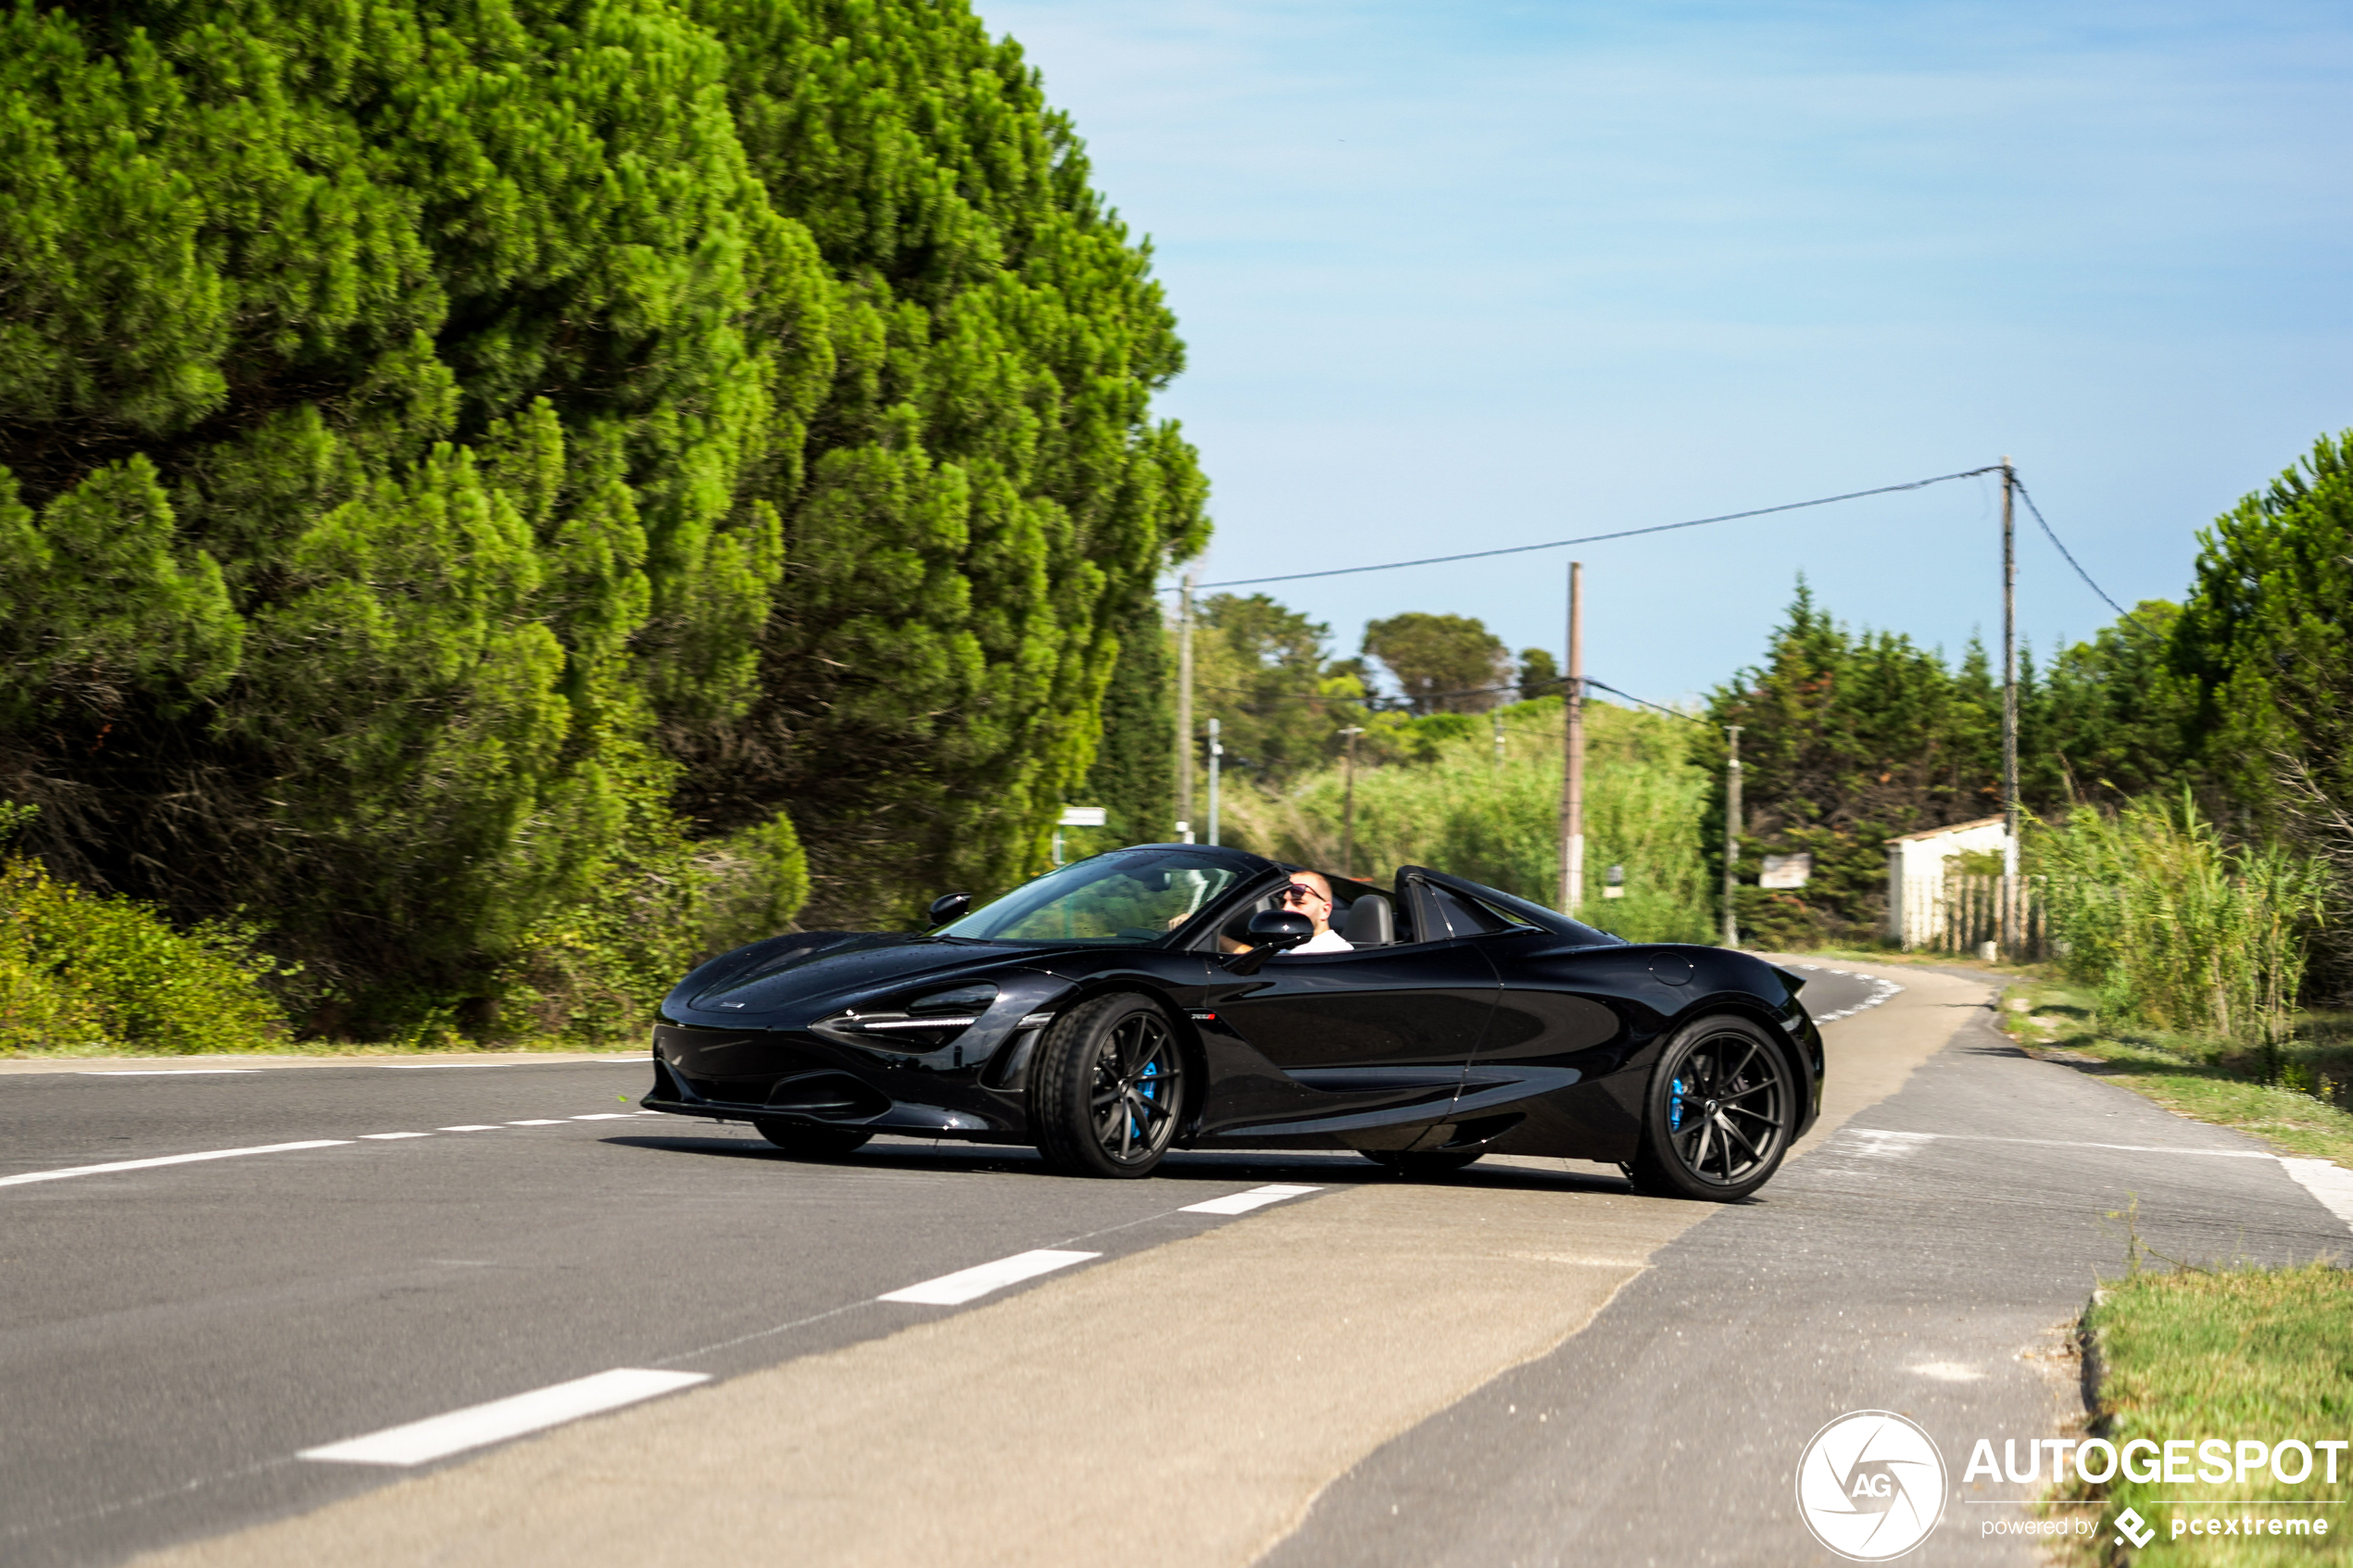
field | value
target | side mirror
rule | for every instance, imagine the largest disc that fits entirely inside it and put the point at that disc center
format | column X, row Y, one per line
column 948, row 905
column 1271, row 932
column 1279, row 929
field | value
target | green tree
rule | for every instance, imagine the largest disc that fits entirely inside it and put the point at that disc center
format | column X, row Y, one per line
column 455, row 464
column 1849, row 739
column 1540, row 674
column 2267, row 634
column 2112, row 718
column 1134, row 774
column 1443, row 663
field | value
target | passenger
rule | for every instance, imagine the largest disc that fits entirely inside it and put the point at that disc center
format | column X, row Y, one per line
column 1312, row 896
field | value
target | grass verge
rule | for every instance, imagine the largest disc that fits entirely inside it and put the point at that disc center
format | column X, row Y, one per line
column 2259, row 1355
column 2197, row 1077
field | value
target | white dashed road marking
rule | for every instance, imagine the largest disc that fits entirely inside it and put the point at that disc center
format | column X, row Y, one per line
column 968, row 1285
column 474, row 1127
column 388, row 1136
column 1880, row 990
column 438, row 1436
column 538, row 1121
column 1243, row 1202
column 167, row 1159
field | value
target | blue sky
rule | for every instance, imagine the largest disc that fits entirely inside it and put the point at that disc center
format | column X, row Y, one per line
column 1461, row 276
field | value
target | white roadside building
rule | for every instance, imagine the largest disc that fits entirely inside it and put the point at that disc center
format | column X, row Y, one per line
column 1916, row 906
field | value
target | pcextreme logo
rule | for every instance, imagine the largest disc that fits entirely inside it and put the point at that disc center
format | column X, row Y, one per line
column 1871, row 1486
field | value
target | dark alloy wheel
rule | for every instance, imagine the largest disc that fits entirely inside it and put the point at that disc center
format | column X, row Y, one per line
column 1716, row 1121
column 1107, row 1088
column 1421, row 1164
column 803, row 1141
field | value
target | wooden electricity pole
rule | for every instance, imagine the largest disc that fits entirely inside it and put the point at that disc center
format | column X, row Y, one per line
column 1573, row 740
column 1347, row 806
column 1731, row 836
column 1215, row 751
column 1185, row 708
column 2010, row 715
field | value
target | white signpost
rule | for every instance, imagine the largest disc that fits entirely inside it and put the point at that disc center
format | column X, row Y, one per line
column 1077, row 816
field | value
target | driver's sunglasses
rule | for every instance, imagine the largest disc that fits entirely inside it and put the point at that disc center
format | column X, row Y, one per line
column 1300, row 893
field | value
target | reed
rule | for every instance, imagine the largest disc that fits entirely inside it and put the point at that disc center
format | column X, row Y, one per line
column 2175, row 929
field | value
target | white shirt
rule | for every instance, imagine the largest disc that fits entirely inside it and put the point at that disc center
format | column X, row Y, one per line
column 1324, row 941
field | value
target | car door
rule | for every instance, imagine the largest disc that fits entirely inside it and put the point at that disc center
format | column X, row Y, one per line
column 1373, row 1038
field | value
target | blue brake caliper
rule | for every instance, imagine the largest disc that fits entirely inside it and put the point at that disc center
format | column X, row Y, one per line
column 1675, row 1106
column 1150, row 1091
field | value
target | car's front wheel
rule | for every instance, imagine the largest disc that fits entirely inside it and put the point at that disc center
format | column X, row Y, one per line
column 1107, row 1088
column 804, row 1142
column 1717, row 1117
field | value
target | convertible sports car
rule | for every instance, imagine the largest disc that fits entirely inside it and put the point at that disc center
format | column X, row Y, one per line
column 1148, row 1000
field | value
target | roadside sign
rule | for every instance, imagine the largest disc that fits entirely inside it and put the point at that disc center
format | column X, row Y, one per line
column 1082, row 816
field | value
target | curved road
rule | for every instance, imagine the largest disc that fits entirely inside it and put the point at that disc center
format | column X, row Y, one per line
column 1526, row 1363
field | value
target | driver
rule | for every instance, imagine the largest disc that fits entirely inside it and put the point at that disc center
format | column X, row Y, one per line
column 1311, row 895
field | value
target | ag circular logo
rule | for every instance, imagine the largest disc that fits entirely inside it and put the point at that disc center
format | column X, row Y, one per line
column 1871, row 1486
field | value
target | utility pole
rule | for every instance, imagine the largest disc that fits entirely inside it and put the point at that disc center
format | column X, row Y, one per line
column 1215, row 751
column 1731, row 834
column 2009, row 714
column 1347, row 806
column 1498, row 717
column 1185, row 708
column 1573, row 739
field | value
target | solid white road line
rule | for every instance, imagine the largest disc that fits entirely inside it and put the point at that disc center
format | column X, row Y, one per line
column 1890, row 1135
column 167, row 1159
column 1243, row 1202
column 438, row 1436
column 604, row 1116
column 2327, row 1181
column 387, row 1137
column 954, row 1290
column 156, row 1072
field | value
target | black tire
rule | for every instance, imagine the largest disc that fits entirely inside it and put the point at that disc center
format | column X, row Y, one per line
column 803, row 1141
column 1107, row 1088
column 1421, row 1164
column 1717, row 1116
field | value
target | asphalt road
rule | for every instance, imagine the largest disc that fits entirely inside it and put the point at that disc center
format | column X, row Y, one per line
column 172, row 1338
column 1917, row 1262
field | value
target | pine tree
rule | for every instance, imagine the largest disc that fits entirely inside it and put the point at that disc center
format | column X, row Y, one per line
column 439, row 448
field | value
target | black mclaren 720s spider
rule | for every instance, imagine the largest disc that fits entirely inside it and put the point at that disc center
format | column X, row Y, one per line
column 1148, row 999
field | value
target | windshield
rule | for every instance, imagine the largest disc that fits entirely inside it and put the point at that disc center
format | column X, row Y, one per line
column 1129, row 896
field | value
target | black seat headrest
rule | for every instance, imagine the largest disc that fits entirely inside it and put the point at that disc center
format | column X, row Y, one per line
column 1372, row 922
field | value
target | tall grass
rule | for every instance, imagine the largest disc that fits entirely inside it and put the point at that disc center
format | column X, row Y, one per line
column 1497, row 820
column 2175, row 929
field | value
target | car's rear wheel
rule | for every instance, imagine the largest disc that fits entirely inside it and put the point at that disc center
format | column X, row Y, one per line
column 803, row 1141
column 1107, row 1088
column 1717, row 1119
column 1421, row 1164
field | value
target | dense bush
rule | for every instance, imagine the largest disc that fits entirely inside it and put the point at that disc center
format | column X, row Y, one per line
column 83, row 972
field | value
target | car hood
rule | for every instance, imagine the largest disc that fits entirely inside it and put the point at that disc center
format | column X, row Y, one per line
column 838, row 966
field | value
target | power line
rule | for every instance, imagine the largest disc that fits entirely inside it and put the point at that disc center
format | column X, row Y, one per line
column 1670, row 712
column 2021, row 488
column 1597, row 538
